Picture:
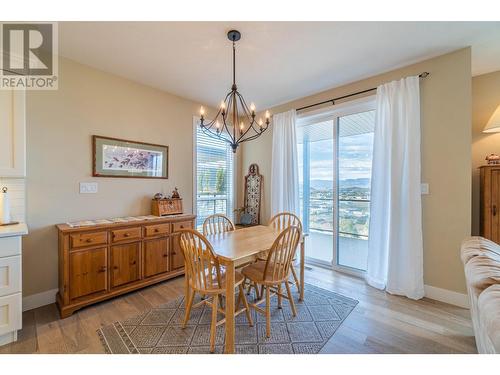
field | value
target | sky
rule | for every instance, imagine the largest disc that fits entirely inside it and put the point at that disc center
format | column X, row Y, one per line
column 355, row 154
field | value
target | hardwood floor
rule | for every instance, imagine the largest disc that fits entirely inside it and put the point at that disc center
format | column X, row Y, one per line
column 380, row 323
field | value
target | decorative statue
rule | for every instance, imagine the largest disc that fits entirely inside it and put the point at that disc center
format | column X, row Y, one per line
column 175, row 193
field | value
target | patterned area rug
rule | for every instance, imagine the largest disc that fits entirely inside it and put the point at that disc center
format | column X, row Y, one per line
column 160, row 331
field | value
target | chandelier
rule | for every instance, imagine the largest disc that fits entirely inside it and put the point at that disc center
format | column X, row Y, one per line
column 234, row 122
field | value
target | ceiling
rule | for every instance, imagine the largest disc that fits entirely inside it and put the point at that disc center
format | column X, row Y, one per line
column 276, row 61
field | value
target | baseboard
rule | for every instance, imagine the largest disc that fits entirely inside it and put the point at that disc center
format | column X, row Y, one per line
column 39, row 299
column 447, row 296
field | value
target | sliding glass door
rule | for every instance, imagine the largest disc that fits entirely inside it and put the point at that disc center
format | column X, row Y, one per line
column 335, row 155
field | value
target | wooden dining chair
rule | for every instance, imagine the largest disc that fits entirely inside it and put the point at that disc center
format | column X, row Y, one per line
column 280, row 222
column 217, row 223
column 274, row 272
column 207, row 277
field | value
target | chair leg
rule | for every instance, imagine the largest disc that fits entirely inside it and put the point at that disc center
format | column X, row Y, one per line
column 279, row 296
column 290, row 298
column 189, row 304
column 245, row 303
column 297, row 282
column 213, row 326
column 268, row 311
column 221, row 303
column 261, row 294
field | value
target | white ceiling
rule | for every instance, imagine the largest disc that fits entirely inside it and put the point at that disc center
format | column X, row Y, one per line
column 276, row 61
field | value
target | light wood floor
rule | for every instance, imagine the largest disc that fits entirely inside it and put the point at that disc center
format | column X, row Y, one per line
column 380, row 323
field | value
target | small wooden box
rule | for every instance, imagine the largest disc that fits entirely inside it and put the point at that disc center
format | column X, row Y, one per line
column 164, row 207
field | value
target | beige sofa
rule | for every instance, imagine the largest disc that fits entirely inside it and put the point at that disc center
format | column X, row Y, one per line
column 481, row 258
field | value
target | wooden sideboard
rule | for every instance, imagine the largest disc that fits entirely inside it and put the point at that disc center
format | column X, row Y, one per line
column 103, row 261
column 489, row 219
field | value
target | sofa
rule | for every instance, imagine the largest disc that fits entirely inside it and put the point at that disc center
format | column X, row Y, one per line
column 481, row 258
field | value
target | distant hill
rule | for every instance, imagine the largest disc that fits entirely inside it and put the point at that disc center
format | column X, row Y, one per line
column 348, row 182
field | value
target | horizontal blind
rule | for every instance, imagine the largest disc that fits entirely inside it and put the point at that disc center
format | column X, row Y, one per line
column 214, row 177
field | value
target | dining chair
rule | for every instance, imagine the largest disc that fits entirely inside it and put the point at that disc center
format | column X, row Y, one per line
column 207, row 277
column 280, row 222
column 217, row 223
column 274, row 272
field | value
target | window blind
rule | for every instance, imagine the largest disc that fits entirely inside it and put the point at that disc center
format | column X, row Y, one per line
column 214, row 177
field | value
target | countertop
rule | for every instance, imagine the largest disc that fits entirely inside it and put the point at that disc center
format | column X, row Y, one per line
column 13, row 230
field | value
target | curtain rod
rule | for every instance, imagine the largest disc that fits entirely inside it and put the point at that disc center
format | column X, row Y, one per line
column 421, row 75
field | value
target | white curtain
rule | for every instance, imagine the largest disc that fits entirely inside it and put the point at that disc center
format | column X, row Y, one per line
column 395, row 251
column 284, row 168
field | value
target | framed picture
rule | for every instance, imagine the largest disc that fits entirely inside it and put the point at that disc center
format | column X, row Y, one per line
column 122, row 158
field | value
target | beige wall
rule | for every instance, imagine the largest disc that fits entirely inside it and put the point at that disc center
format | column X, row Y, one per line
column 446, row 158
column 485, row 99
column 59, row 129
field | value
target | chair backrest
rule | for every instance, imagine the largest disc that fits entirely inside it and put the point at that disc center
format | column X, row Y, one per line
column 284, row 220
column 217, row 223
column 281, row 254
column 201, row 264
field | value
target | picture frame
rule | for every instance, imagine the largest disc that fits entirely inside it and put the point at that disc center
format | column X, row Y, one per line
column 115, row 157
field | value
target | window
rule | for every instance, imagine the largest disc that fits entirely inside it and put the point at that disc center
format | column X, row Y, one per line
column 335, row 150
column 214, row 177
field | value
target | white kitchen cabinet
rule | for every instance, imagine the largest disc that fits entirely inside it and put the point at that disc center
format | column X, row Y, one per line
column 12, row 133
column 11, row 315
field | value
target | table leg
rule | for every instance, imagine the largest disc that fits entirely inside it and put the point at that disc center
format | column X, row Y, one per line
column 230, row 328
column 302, row 262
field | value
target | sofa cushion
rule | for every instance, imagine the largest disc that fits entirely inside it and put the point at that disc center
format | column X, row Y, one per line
column 476, row 246
column 489, row 311
column 481, row 272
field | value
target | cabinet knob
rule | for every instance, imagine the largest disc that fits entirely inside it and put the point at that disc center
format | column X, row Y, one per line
column 133, row 263
column 126, row 235
column 102, row 269
column 165, row 255
column 494, row 210
column 89, row 240
column 156, row 230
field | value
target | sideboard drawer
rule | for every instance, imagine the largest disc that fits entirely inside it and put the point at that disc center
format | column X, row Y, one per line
column 156, row 230
column 10, row 246
column 89, row 239
column 10, row 275
column 10, row 313
column 126, row 234
column 182, row 225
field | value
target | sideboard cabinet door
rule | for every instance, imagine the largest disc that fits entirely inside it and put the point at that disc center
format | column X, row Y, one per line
column 88, row 272
column 125, row 263
column 156, row 256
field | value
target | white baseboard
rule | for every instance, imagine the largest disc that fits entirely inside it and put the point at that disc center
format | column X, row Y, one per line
column 40, row 299
column 447, row 296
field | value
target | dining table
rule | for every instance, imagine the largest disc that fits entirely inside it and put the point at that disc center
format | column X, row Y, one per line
column 238, row 247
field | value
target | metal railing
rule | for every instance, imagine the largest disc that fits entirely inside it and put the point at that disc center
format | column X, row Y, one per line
column 341, row 233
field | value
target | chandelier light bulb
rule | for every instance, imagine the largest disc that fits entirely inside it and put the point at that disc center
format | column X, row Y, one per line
column 202, row 111
column 268, row 115
column 223, row 105
column 252, row 107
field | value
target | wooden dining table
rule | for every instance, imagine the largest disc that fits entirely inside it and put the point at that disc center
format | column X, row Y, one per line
column 238, row 247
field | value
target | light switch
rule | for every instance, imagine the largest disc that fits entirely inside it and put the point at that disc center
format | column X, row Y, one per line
column 88, row 187
column 424, row 188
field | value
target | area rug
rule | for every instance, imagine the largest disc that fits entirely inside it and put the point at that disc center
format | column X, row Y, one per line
column 159, row 330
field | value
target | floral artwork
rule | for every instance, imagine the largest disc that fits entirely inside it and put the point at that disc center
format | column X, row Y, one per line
column 133, row 160
column 122, row 158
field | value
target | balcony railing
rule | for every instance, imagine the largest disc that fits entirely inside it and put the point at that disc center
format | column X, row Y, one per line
column 327, row 213
column 209, row 204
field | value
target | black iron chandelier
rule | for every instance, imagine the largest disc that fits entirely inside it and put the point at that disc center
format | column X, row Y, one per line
column 235, row 122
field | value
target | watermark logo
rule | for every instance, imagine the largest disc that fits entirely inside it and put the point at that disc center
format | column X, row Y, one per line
column 28, row 56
